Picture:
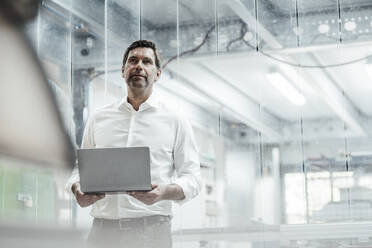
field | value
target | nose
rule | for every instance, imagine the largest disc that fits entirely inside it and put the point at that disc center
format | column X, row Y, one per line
column 139, row 66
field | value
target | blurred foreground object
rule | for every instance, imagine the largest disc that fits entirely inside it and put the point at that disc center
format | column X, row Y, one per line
column 21, row 235
column 30, row 125
column 19, row 11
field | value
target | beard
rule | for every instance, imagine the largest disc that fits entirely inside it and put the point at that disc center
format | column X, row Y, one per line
column 139, row 83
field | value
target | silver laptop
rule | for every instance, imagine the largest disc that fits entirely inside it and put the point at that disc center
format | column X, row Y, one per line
column 105, row 170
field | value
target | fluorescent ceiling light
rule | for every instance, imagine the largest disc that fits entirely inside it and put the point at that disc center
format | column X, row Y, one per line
column 285, row 88
column 297, row 79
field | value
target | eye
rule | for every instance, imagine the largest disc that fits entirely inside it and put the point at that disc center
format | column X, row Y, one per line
column 132, row 59
column 147, row 61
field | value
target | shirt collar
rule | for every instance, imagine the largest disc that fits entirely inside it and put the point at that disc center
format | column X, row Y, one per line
column 151, row 102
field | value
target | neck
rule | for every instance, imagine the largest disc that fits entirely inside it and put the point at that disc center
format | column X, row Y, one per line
column 138, row 96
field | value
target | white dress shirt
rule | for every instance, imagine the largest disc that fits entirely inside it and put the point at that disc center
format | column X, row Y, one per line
column 173, row 152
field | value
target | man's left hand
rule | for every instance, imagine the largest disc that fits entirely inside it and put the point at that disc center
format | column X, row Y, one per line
column 150, row 197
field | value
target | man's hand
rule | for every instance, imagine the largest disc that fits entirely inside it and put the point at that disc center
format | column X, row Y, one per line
column 150, row 197
column 83, row 199
column 158, row 193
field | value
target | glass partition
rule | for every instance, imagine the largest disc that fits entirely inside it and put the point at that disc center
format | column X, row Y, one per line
column 278, row 95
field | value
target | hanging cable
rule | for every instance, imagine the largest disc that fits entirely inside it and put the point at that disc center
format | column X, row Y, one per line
column 191, row 51
column 243, row 32
column 241, row 37
column 308, row 66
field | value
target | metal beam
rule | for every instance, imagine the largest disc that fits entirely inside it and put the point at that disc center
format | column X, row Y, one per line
column 256, row 117
column 239, row 106
column 277, row 52
column 336, row 100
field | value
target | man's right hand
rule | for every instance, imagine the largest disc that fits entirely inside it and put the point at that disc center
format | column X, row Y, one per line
column 84, row 200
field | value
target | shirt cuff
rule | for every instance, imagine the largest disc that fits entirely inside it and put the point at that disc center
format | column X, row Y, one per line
column 189, row 189
column 73, row 179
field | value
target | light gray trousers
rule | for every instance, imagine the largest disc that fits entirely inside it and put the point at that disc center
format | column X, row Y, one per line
column 146, row 232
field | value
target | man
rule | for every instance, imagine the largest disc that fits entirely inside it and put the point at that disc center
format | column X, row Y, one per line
column 141, row 219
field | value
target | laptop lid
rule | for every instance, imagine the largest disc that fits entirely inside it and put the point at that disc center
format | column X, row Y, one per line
column 114, row 169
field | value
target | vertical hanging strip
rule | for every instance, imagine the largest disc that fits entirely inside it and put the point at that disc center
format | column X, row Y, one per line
column 303, row 162
column 140, row 20
column 301, row 116
column 216, row 24
column 72, row 126
column 106, row 51
column 72, row 205
column 339, row 20
column 38, row 32
column 297, row 26
column 343, row 92
column 256, row 24
column 178, row 32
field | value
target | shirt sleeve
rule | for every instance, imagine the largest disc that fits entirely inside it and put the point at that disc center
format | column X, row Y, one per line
column 186, row 161
column 87, row 142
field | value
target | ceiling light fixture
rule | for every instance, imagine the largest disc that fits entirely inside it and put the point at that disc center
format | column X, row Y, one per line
column 248, row 36
column 286, row 88
column 297, row 79
column 323, row 28
column 350, row 26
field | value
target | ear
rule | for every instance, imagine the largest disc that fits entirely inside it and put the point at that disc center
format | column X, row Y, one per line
column 158, row 73
column 122, row 71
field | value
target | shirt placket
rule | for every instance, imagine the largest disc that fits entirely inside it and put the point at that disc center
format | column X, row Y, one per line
column 133, row 114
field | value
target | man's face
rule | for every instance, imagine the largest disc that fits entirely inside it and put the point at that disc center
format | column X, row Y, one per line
column 140, row 70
